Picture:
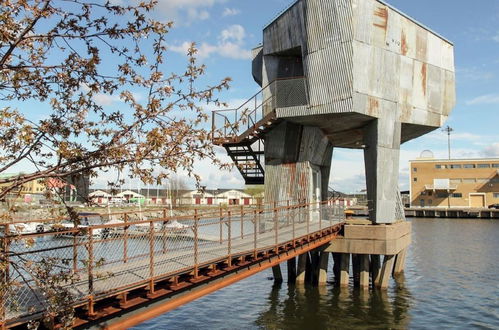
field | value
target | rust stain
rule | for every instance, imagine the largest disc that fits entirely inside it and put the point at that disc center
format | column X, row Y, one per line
column 383, row 14
column 424, row 72
column 405, row 46
column 373, row 106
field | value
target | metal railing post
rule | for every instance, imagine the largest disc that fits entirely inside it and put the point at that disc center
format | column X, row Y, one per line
column 320, row 215
column 90, row 266
column 287, row 213
column 294, row 226
column 4, row 275
column 221, row 225
column 125, row 238
column 276, row 228
column 229, row 237
column 196, row 242
column 255, row 228
column 242, row 219
column 307, row 209
column 151, row 257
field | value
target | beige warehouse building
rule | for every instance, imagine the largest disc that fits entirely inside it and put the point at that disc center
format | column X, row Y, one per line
column 454, row 183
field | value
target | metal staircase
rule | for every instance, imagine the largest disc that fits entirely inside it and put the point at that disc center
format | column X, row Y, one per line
column 242, row 131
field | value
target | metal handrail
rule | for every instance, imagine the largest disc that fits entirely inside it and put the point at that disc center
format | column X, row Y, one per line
column 153, row 251
column 249, row 113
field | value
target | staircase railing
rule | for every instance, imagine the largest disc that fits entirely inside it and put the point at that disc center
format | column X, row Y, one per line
column 280, row 93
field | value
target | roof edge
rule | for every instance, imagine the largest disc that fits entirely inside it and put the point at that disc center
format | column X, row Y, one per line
column 282, row 12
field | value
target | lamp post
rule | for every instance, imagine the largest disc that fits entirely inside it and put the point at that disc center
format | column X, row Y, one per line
column 448, row 129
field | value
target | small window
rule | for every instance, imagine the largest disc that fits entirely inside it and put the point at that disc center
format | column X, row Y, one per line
column 469, row 165
column 442, row 195
column 455, row 166
column 483, row 166
column 415, row 169
column 430, row 193
column 495, row 165
column 415, row 179
column 457, row 195
column 423, row 193
column 430, row 201
column 438, row 166
column 496, row 195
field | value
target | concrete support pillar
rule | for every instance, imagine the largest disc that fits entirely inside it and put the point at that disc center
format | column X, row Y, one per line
column 324, row 260
column 356, row 270
column 297, row 163
column 364, row 271
column 336, row 267
column 302, row 268
column 276, row 271
column 375, row 269
column 314, row 266
column 292, row 270
column 386, row 272
column 381, row 158
column 345, row 265
column 399, row 262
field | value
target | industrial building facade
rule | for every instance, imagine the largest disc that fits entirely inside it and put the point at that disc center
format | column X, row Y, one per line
column 454, row 183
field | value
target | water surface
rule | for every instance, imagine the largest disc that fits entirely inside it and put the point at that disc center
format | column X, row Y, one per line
column 451, row 281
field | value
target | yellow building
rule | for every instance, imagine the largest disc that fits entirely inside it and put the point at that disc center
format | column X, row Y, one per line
column 454, row 183
column 32, row 187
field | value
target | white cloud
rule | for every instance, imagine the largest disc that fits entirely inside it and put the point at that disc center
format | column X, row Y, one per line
column 230, row 12
column 496, row 37
column 185, row 12
column 230, row 45
column 474, row 73
column 491, row 150
column 484, row 99
column 234, row 33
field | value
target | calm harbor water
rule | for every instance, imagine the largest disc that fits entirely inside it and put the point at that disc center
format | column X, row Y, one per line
column 451, row 281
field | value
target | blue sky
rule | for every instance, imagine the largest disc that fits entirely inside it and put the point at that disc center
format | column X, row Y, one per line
column 226, row 30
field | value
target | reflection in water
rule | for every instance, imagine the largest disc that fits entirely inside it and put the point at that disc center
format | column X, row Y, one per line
column 450, row 282
column 327, row 307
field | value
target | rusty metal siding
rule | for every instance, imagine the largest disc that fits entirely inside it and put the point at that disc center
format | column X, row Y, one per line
column 287, row 182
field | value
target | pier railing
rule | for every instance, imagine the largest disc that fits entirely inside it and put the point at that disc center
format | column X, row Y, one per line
column 92, row 262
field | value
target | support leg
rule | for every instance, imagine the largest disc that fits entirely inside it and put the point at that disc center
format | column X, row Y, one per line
column 292, row 270
column 276, row 270
column 356, row 270
column 386, row 271
column 364, row 271
column 302, row 267
column 381, row 157
column 375, row 269
column 324, row 260
column 336, row 268
column 314, row 269
column 345, row 265
column 399, row 262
